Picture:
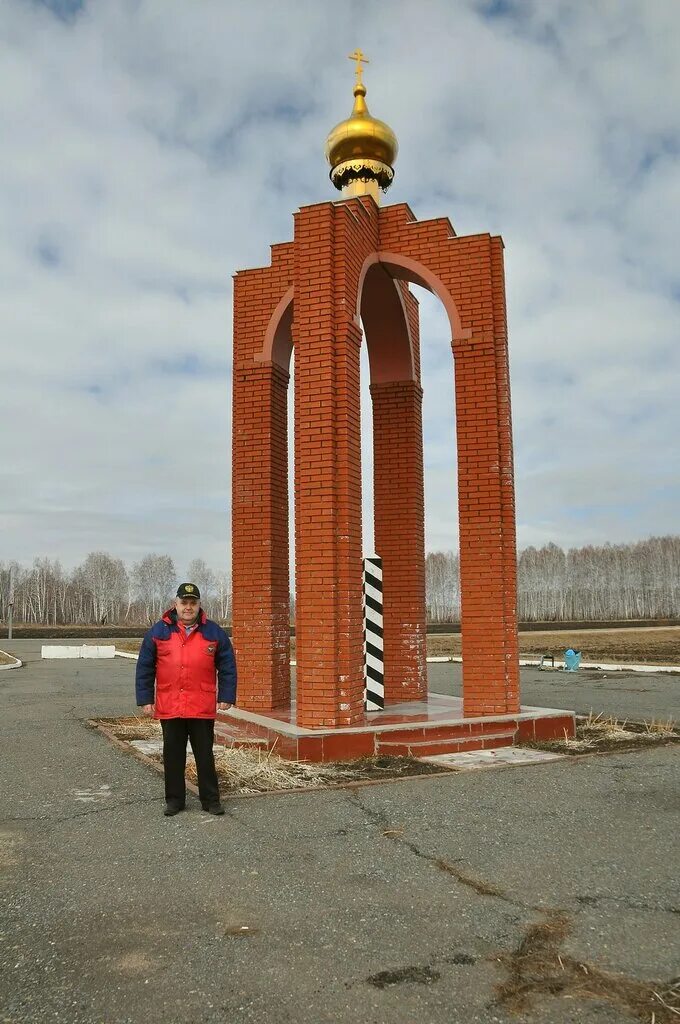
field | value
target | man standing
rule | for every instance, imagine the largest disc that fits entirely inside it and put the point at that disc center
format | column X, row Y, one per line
column 182, row 654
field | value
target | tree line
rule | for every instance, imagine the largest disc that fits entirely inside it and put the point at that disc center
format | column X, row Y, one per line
column 612, row 581
column 103, row 590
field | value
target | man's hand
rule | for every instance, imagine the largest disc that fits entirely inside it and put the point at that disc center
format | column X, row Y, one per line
column 148, row 709
column 223, row 706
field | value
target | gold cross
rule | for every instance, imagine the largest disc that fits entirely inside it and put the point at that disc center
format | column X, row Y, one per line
column 360, row 59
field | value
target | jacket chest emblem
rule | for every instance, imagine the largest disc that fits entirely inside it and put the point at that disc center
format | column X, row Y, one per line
column 210, row 649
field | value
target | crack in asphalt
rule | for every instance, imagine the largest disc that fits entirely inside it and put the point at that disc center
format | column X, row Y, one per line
column 478, row 885
column 536, row 967
column 81, row 814
column 626, row 901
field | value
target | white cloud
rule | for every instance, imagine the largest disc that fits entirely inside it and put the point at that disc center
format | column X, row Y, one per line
column 154, row 147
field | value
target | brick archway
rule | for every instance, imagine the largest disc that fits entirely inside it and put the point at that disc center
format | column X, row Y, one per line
column 313, row 293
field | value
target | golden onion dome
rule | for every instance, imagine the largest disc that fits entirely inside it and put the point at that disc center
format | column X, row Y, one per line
column 361, row 150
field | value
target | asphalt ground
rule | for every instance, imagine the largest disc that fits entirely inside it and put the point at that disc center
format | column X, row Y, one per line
column 396, row 902
column 637, row 696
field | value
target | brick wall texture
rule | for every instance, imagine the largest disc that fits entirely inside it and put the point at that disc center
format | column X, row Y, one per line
column 349, row 259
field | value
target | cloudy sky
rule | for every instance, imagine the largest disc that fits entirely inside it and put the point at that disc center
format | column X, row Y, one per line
column 153, row 147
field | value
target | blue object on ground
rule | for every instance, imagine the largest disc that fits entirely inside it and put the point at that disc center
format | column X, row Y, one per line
column 572, row 660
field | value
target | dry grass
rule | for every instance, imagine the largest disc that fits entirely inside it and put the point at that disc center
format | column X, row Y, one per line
column 136, row 727
column 252, row 770
column 538, row 968
column 129, row 646
column 6, row 659
column 604, row 725
column 604, row 732
column 612, row 728
column 651, row 645
column 596, row 730
column 661, row 727
column 248, row 770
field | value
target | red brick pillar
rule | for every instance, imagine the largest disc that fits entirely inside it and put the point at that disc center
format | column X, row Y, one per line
column 329, row 628
column 261, row 602
column 487, row 556
column 507, row 478
column 399, row 534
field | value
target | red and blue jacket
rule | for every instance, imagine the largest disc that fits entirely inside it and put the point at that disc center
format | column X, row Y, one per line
column 185, row 676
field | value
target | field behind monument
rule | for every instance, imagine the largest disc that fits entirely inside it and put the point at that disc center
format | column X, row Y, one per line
column 649, row 645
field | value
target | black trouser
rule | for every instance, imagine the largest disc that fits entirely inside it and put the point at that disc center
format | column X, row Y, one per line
column 200, row 732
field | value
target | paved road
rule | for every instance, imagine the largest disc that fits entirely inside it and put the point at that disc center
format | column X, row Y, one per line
column 633, row 695
column 390, row 903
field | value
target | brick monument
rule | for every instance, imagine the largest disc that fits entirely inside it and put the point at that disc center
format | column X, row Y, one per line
column 350, row 263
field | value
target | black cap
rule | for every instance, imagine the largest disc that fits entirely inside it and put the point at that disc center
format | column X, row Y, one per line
column 188, row 590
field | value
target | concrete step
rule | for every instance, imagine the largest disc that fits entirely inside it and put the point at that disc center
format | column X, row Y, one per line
column 425, row 733
column 497, row 737
column 227, row 737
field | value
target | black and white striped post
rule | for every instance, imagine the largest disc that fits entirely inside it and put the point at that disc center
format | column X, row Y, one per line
column 374, row 661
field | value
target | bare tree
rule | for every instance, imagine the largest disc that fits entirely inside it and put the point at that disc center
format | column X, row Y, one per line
column 204, row 578
column 442, row 586
column 622, row 581
column 106, row 582
column 222, row 605
column 155, row 578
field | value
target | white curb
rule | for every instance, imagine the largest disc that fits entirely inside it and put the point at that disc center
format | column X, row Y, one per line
column 17, row 662
column 98, row 651
column 527, row 662
column 619, row 668
column 82, row 651
column 535, row 663
column 47, row 651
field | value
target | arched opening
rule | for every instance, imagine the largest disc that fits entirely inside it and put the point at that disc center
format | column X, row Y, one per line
column 289, row 427
column 367, row 457
column 402, row 432
column 389, row 316
column 386, row 356
column 440, row 462
column 278, row 348
column 383, row 315
column 403, row 268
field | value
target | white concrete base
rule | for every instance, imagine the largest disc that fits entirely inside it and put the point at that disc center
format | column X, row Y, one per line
column 504, row 756
column 48, row 651
column 149, row 747
column 82, row 651
column 100, row 651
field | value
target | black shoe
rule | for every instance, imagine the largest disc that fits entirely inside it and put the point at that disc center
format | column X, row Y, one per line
column 171, row 809
column 213, row 808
